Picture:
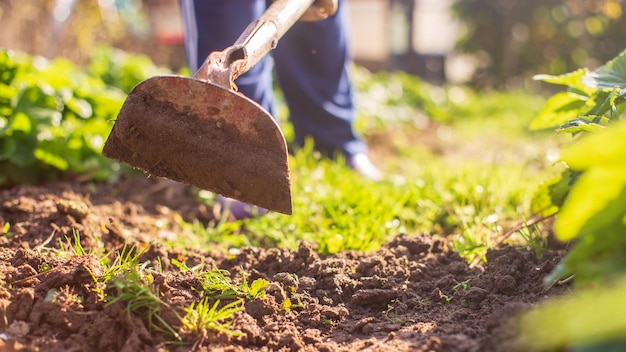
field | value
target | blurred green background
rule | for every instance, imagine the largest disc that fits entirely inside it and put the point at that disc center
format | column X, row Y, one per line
column 492, row 43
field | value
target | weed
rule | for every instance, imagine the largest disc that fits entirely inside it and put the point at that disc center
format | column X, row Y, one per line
column 535, row 239
column 329, row 322
column 126, row 260
column 287, row 304
column 135, row 289
column 5, row 226
column 202, row 316
column 391, row 314
column 463, row 286
column 216, row 283
column 70, row 296
column 65, row 294
column 43, row 267
column 73, row 245
column 256, row 289
column 445, row 298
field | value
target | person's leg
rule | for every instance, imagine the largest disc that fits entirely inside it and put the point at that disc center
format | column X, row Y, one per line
column 214, row 25
column 312, row 66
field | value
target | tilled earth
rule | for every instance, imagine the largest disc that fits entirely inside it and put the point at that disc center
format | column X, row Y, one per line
column 414, row 294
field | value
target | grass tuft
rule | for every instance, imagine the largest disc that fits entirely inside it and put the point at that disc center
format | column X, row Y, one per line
column 203, row 316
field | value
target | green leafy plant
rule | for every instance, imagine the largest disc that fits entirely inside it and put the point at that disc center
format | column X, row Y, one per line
column 589, row 193
column 122, row 69
column 590, row 320
column 124, row 260
column 588, row 104
column 55, row 116
column 590, row 199
column 53, row 120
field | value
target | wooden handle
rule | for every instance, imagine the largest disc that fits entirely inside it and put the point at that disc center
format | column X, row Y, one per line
column 256, row 41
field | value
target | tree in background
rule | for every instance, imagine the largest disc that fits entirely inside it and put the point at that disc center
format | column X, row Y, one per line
column 516, row 39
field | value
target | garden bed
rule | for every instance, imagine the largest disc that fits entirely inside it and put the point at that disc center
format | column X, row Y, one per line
column 414, row 294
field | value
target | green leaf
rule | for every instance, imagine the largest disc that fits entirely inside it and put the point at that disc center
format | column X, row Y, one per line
column 559, row 109
column 80, row 107
column 7, row 146
column 258, row 287
column 610, row 75
column 598, row 197
column 23, row 148
column 603, row 102
column 8, row 68
column 20, row 122
column 52, row 159
column 595, row 202
column 596, row 257
column 550, row 195
column 4, row 125
column 605, row 148
column 39, row 103
column 588, row 317
column 6, row 95
column 106, row 104
column 574, row 80
column 580, row 125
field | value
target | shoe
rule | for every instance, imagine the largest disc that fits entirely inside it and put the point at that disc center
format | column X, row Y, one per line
column 238, row 210
column 361, row 163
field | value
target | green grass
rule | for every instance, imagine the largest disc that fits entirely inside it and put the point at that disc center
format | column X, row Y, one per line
column 203, row 316
column 217, row 284
column 125, row 279
column 135, row 289
column 466, row 173
column 460, row 165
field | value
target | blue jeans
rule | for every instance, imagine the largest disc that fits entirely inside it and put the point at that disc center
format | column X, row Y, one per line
column 311, row 64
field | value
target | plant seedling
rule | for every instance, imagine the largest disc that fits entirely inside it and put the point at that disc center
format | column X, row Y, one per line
column 134, row 288
column 202, row 316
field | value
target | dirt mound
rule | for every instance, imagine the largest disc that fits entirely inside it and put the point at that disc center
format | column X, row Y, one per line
column 414, row 294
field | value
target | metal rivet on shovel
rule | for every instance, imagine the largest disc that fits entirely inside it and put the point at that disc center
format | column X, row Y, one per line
column 201, row 132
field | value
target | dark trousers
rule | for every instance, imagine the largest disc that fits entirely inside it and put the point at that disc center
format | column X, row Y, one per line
column 311, row 63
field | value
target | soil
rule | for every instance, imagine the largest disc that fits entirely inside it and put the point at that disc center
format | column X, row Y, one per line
column 414, row 294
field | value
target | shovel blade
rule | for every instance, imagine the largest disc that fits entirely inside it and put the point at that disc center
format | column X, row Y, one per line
column 203, row 135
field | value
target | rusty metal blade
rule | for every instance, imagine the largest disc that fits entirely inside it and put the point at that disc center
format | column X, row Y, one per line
column 205, row 136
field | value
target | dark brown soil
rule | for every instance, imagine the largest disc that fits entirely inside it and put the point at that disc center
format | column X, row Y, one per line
column 412, row 295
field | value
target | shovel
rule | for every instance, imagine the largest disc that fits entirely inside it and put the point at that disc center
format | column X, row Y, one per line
column 199, row 131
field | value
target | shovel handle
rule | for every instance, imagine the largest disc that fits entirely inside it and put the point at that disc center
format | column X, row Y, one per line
column 256, row 41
